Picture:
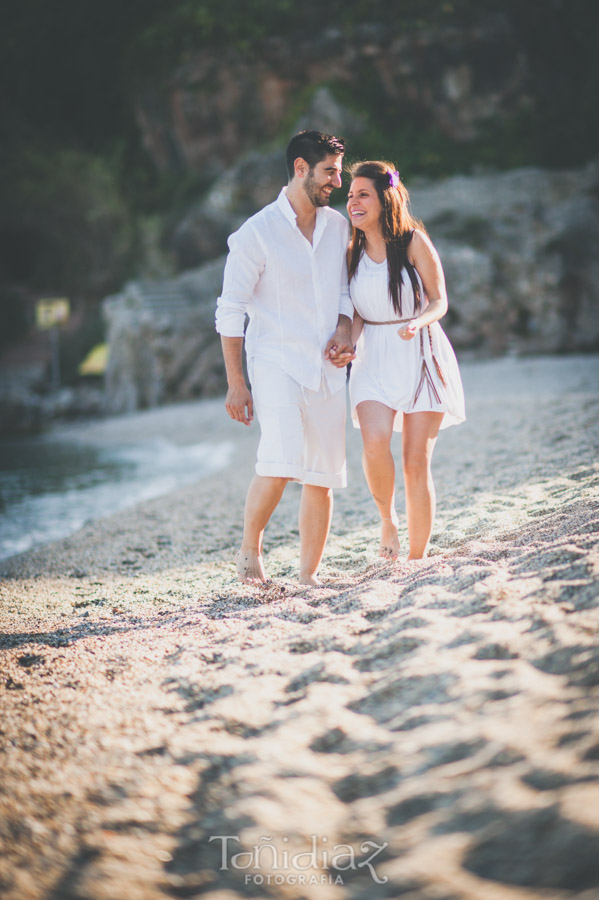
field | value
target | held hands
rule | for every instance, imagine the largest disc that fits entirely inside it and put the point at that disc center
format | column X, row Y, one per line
column 237, row 401
column 340, row 350
column 408, row 331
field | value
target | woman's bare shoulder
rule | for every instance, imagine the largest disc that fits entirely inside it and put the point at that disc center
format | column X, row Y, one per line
column 421, row 247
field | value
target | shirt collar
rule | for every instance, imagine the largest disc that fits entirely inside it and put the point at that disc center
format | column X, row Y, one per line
column 290, row 214
column 286, row 207
column 288, row 210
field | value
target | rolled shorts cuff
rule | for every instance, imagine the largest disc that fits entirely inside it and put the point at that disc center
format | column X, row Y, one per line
column 326, row 479
column 295, row 473
column 280, row 470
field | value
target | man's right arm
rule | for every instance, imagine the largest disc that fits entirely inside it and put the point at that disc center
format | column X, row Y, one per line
column 238, row 401
column 243, row 268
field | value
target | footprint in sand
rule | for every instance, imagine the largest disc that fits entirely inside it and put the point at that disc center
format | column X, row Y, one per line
column 549, row 780
column 451, row 752
column 472, row 608
column 196, row 696
column 577, row 572
column 419, row 805
column 469, row 820
column 579, row 662
column 536, row 849
column 354, row 787
column 542, row 562
column 311, row 676
column 466, row 637
column 413, row 722
column 388, row 654
column 401, row 694
column 572, row 737
column 498, row 694
column 337, row 741
column 495, row 651
column 577, row 714
column 404, row 624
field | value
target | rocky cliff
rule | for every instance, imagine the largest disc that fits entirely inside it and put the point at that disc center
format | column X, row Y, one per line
column 162, row 342
column 222, row 104
column 518, row 249
column 520, row 256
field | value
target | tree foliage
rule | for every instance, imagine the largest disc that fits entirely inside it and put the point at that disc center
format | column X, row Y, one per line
column 70, row 70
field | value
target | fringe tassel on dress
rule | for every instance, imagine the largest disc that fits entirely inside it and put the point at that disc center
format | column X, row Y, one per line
column 425, row 375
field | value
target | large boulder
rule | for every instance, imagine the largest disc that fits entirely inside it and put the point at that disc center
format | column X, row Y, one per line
column 254, row 180
column 518, row 249
column 162, row 342
column 236, row 194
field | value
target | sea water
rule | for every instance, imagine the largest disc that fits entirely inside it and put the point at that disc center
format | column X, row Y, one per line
column 50, row 488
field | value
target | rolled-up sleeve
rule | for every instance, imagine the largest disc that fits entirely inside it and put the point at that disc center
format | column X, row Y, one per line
column 244, row 266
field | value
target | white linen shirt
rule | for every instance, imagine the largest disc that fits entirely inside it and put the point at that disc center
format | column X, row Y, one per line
column 292, row 291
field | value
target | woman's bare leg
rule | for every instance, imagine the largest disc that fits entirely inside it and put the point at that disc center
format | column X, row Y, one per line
column 419, row 436
column 376, row 424
column 262, row 498
column 316, row 509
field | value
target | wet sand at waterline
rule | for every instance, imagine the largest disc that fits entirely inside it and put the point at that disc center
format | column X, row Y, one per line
column 426, row 731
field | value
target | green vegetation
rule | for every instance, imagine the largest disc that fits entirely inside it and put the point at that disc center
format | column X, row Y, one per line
column 78, row 188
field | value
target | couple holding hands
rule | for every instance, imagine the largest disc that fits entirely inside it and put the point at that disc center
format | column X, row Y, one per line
column 318, row 296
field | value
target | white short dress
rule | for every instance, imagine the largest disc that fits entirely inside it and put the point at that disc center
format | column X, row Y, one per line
column 420, row 375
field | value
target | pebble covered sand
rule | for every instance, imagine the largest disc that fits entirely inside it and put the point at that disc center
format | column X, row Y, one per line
column 426, row 731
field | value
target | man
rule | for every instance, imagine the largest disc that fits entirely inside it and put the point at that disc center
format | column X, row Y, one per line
column 286, row 271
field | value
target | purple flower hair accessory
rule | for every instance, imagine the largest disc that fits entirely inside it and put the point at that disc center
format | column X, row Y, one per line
column 394, row 179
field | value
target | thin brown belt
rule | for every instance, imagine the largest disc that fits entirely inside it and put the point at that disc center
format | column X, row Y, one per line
column 390, row 322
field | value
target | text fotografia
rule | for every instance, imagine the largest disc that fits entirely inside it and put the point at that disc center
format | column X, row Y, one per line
column 267, row 863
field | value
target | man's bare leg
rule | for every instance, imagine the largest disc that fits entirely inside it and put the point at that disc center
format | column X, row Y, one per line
column 316, row 509
column 262, row 498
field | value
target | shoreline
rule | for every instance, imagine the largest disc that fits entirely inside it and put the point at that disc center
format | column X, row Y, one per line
column 447, row 709
column 189, row 423
column 81, row 473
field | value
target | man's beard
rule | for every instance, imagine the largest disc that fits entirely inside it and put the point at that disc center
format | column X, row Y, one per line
column 314, row 191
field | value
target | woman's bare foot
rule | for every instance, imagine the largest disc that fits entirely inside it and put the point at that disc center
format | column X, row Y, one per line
column 389, row 547
column 312, row 580
column 250, row 568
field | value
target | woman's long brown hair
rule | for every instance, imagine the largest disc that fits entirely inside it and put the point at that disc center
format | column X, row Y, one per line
column 397, row 224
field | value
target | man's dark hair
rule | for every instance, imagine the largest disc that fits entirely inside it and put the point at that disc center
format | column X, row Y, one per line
column 313, row 146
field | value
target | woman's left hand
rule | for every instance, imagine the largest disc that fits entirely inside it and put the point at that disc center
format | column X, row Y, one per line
column 408, row 331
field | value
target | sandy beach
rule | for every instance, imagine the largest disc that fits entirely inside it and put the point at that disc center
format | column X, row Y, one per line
column 425, row 731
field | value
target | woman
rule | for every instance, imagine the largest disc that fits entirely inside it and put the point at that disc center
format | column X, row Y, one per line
column 405, row 377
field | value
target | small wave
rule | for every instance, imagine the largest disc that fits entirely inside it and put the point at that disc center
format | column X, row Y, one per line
column 48, row 501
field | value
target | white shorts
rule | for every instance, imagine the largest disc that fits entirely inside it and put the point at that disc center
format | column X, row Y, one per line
column 302, row 431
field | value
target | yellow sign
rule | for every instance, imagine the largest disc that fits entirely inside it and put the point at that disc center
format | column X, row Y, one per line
column 50, row 313
column 95, row 362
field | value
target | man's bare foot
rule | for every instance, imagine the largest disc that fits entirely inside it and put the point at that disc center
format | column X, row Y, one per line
column 250, row 568
column 312, row 580
column 389, row 547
